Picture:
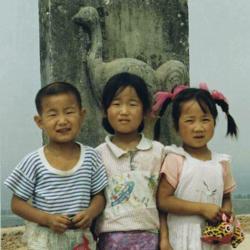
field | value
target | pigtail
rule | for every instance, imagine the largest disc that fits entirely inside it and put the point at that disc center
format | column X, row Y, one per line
column 232, row 128
column 157, row 127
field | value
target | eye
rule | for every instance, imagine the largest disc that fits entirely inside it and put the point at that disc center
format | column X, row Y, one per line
column 51, row 114
column 206, row 119
column 133, row 104
column 115, row 103
column 188, row 121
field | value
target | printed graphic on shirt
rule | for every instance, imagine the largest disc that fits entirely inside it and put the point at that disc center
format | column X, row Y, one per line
column 131, row 190
column 152, row 182
column 121, row 192
column 209, row 192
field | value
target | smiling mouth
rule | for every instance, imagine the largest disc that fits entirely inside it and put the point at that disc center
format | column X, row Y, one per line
column 199, row 137
column 124, row 121
column 63, row 130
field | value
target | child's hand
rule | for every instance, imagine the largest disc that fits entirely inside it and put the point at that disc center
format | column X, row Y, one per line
column 83, row 219
column 211, row 212
column 165, row 245
column 58, row 223
column 227, row 212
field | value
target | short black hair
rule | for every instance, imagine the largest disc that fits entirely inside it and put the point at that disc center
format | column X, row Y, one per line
column 119, row 82
column 56, row 88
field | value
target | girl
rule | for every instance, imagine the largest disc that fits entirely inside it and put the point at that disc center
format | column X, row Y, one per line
column 196, row 182
column 64, row 178
column 130, row 219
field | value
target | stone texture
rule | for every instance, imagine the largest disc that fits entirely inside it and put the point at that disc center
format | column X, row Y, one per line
column 147, row 31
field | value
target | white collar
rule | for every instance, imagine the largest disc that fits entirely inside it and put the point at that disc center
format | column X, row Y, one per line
column 144, row 144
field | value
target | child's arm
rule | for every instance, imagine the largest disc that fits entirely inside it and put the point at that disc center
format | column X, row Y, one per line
column 84, row 218
column 167, row 202
column 164, row 239
column 227, row 204
column 229, row 185
column 58, row 223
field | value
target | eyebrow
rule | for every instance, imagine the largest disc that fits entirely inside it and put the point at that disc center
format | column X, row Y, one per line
column 50, row 110
column 70, row 107
column 188, row 116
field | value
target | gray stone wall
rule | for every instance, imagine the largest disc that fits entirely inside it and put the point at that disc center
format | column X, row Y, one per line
column 139, row 36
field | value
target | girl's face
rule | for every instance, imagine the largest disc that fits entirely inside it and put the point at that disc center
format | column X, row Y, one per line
column 125, row 112
column 196, row 128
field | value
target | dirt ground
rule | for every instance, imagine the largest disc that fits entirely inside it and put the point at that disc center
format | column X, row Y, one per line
column 11, row 238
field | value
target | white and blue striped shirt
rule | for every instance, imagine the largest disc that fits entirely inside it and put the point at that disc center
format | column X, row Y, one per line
column 56, row 191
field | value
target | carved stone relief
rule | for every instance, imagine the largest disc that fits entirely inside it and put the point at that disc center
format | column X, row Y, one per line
column 85, row 42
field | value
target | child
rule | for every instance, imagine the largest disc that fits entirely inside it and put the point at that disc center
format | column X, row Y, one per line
column 196, row 182
column 130, row 219
column 64, row 178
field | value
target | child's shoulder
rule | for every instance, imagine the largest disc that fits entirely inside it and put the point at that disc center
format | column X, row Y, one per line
column 30, row 161
column 101, row 146
column 32, row 154
column 156, row 143
column 89, row 150
column 91, row 156
column 175, row 151
column 221, row 157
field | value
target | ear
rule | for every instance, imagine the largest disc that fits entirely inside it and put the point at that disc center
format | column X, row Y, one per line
column 82, row 114
column 38, row 121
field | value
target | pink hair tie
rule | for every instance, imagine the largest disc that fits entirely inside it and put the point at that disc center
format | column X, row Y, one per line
column 160, row 98
column 218, row 96
column 215, row 93
column 203, row 86
column 178, row 89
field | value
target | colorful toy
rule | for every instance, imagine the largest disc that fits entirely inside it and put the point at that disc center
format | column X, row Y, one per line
column 226, row 232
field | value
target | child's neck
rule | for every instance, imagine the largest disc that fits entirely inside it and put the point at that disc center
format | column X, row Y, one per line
column 126, row 142
column 62, row 156
column 203, row 153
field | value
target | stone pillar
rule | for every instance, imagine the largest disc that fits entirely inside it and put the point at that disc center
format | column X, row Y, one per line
column 85, row 42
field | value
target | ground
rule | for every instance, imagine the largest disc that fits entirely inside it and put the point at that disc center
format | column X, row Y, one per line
column 11, row 238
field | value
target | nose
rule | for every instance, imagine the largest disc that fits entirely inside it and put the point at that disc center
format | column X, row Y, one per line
column 123, row 109
column 198, row 127
column 61, row 119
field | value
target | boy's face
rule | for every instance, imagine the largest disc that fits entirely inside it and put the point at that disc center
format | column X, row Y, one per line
column 61, row 117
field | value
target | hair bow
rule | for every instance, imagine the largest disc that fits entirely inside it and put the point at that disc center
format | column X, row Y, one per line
column 217, row 95
column 178, row 89
column 162, row 96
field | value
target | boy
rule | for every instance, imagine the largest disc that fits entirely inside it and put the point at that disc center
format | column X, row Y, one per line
column 64, row 178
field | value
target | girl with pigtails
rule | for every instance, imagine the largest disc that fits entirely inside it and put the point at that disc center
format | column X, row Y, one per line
column 196, row 182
